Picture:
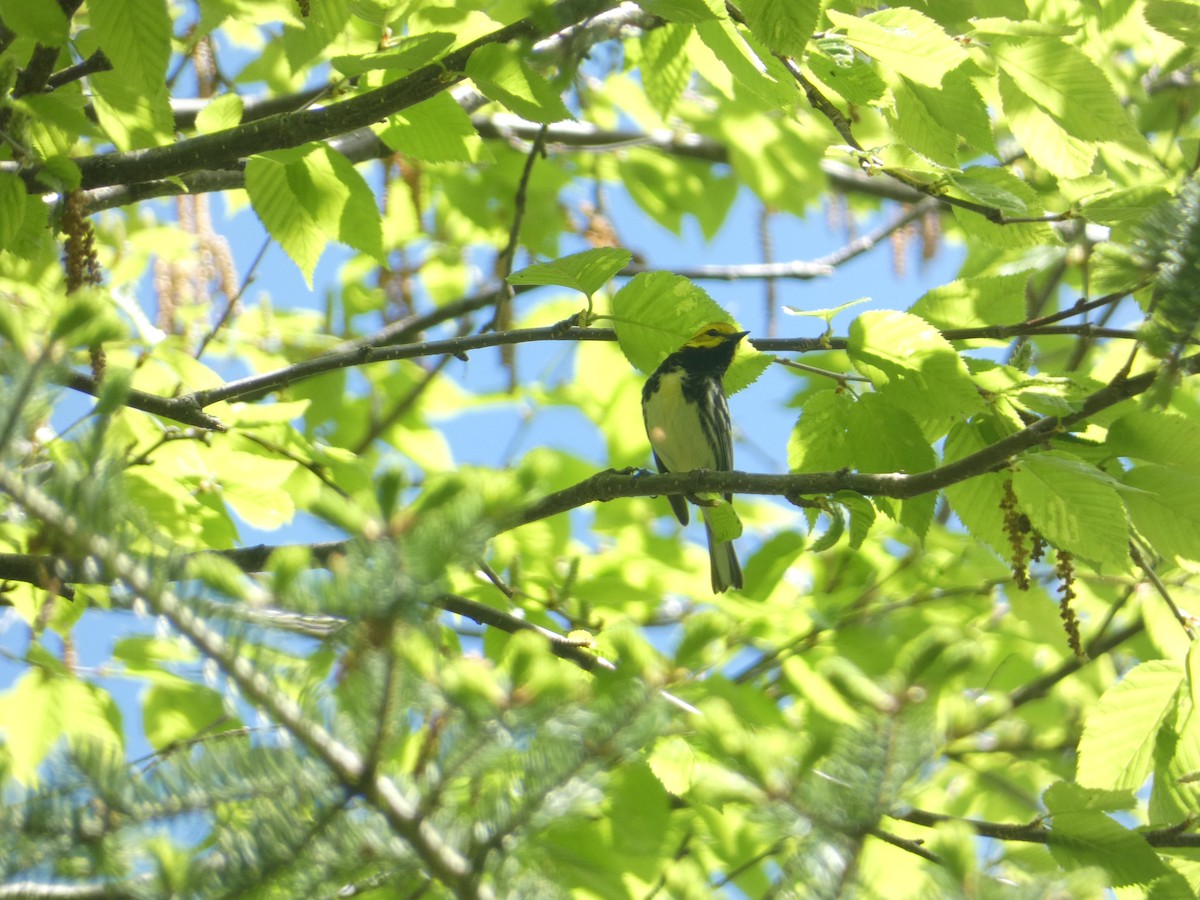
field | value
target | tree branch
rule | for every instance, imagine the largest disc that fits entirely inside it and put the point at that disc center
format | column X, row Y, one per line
column 257, row 385
column 292, row 129
column 1036, row 833
column 442, row 860
column 611, row 485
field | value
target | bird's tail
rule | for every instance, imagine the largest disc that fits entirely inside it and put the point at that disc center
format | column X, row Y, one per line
column 726, row 571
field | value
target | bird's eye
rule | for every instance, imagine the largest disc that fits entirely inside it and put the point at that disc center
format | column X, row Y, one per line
column 712, row 332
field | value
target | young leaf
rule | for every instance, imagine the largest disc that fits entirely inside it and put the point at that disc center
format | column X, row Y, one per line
column 505, row 77
column 1119, row 736
column 904, row 41
column 1163, row 507
column 435, row 130
column 12, row 208
column 909, row 360
column 585, row 272
column 136, row 38
column 406, row 55
column 1074, row 506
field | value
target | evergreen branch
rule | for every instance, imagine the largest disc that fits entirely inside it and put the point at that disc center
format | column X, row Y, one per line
column 42, row 571
column 130, row 889
column 442, row 860
column 283, row 130
column 1035, row 833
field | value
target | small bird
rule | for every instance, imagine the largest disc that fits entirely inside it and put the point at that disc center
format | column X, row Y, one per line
column 687, row 421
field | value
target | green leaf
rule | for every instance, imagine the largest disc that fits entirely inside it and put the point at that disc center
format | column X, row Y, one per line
column 504, row 76
column 178, row 710
column 136, row 38
column 665, row 66
column 43, row 22
column 770, row 564
column 904, row 41
column 673, row 762
column 684, row 10
column 915, row 124
column 820, row 440
column 407, row 55
column 862, row 516
column 43, row 706
column 1083, row 836
column 1004, row 191
column 1074, row 506
column 359, row 224
column 836, row 64
column 12, row 208
column 307, row 39
column 933, row 120
column 909, row 360
column 817, row 690
column 435, row 130
column 974, row 302
column 639, row 801
column 1178, row 18
column 1047, row 142
column 304, row 198
column 1157, row 437
column 132, row 116
column 747, row 68
column 221, row 113
column 831, row 535
column 905, row 450
column 722, row 519
column 1165, row 509
column 1066, row 796
column 1068, row 86
column 668, row 188
column 283, row 213
column 784, row 27
column 656, row 313
column 1119, row 735
column 585, row 272
column 976, row 501
column 1124, row 207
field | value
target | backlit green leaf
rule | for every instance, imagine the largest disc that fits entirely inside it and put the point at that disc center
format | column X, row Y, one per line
column 406, row 55
column 1117, row 748
column 904, row 41
column 585, row 272
column 136, row 38
column 1074, row 506
column 507, row 78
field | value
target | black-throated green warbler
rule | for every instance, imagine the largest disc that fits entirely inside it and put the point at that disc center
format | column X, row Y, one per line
column 687, row 421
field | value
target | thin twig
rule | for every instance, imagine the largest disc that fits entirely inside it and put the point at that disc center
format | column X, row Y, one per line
column 1037, row 833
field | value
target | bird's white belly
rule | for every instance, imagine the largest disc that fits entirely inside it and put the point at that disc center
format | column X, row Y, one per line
column 674, row 428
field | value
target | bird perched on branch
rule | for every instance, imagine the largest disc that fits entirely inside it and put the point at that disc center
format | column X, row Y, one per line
column 687, row 421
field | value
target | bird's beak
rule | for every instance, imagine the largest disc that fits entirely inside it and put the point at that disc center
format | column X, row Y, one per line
column 738, row 335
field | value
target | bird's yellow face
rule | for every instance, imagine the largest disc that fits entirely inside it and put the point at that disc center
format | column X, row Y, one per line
column 715, row 334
